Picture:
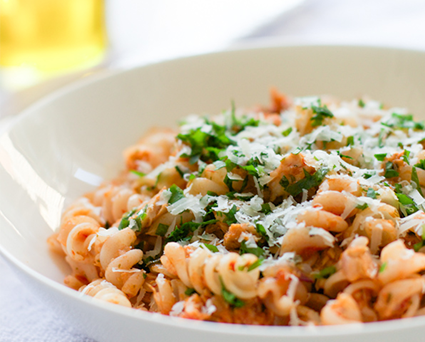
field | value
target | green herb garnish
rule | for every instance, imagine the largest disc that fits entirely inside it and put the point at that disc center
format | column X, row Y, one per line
column 176, row 194
column 402, row 121
column 257, row 251
column 189, row 291
column 415, row 179
column 308, row 182
column 181, row 233
column 286, row 132
column 212, row 248
column 380, row 156
column 390, row 172
column 362, row 206
column 230, row 297
column 162, row 229
column 371, row 193
column 320, row 114
column 325, row 273
column 138, row 173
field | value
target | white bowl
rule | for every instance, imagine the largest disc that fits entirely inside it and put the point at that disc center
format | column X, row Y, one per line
column 64, row 145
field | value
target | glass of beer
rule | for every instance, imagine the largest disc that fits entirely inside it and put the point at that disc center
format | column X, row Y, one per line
column 51, row 36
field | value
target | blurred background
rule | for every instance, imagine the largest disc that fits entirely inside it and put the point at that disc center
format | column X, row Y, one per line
column 48, row 44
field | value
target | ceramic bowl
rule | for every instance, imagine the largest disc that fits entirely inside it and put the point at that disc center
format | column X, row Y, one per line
column 70, row 141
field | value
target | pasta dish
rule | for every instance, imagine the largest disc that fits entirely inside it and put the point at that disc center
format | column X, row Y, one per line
column 309, row 211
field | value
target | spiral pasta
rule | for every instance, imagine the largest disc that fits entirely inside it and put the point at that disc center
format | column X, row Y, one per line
column 307, row 212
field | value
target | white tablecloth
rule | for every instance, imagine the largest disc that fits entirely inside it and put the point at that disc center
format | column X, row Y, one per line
column 379, row 22
column 24, row 318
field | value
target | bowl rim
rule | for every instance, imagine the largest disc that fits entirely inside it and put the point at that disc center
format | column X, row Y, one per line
column 203, row 326
column 89, row 79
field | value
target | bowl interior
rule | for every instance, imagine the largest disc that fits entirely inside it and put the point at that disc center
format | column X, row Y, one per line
column 69, row 142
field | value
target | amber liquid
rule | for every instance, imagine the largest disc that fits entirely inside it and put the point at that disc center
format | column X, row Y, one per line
column 51, row 35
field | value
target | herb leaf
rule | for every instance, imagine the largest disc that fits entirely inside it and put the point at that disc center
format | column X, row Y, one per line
column 230, row 297
column 362, row 207
column 421, row 164
column 415, row 179
column 407, row 205
column 257, row 251
column 310, row 181
column 286, row 132
column 181, row 233
column 138, row 173
column 401, row 121
column 231, row 215
column 389, row 170
column 189, row 291
column 176, row 194
column 321, row 114
column 325, row 273
column 162, row 229
column 371, row 193
column 380, row 156
column 212, row 248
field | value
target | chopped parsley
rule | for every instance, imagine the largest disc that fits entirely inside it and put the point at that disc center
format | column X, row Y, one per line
column 419, row 245
column 415, row 179
column 309, row 181
column 369, row 174
column 380, row 156
column 265, row 208
column 125, row 220
column 262, row 231
column 343, row 155
column 176, row 194
column 320, row 114
column 371, row 193
column 362, row 206
column 407, row 205
column 138, row 173
column 189, row 291
column 239, row 124
column 162, row 229
column 421, row 164
column 230, row 297
column 390, row 172
column 230, row 216
column 206, row 145
column 133, row 220
column 181, row 233
column 181, row 173
column 255, row 265
column 382, row 136
column 405, row 156
column 212, row 248
column 257, row 251
column 402, row 121
column 286, row 132
column 325, row 273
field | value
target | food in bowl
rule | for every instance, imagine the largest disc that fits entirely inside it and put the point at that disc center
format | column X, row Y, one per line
column 308, row 211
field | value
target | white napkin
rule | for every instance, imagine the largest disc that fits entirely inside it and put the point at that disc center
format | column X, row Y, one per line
column 24, row 318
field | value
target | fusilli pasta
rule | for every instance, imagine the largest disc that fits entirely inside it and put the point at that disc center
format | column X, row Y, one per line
column 308, row 212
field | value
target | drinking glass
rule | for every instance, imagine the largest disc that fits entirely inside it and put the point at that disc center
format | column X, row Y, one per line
column 48, row 37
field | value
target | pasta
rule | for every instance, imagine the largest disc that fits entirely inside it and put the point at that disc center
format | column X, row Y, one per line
column 307, row 212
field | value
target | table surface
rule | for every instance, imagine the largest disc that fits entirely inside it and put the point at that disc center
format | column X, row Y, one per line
column 398, row 23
